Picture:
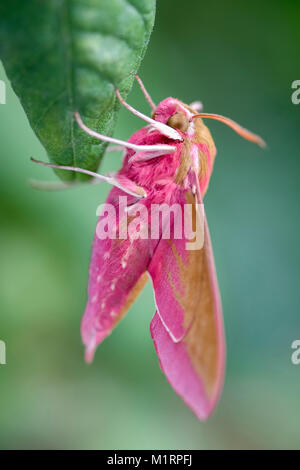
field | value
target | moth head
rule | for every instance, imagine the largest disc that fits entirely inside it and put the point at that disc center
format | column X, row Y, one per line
column 175, row 114
column 179, row 121
column 187, row 120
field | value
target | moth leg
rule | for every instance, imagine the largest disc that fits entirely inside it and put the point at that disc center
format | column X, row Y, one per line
column 122, row 143
column 127, row 185
column 144, row 156
column 123, row 183
column 159, row 126
column 146, row 94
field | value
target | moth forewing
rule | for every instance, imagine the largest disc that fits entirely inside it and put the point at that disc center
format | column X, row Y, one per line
column 169, row 162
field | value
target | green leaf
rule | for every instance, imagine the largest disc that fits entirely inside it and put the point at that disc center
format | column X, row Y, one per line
column 63, row 55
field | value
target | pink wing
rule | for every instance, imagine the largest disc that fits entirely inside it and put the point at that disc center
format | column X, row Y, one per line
column 187, row 328
column 116, row 276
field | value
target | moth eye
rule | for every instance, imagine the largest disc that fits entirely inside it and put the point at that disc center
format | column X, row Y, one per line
column 179, row 121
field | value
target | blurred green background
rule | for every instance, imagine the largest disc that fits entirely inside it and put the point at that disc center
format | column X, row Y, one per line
column 240, row 59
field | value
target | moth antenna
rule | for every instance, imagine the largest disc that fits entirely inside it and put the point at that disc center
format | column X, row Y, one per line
column 146, row 94
column 108, row 179
column 235, row 126
column 162, row 128
column 129, row 145
column 70, row 168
